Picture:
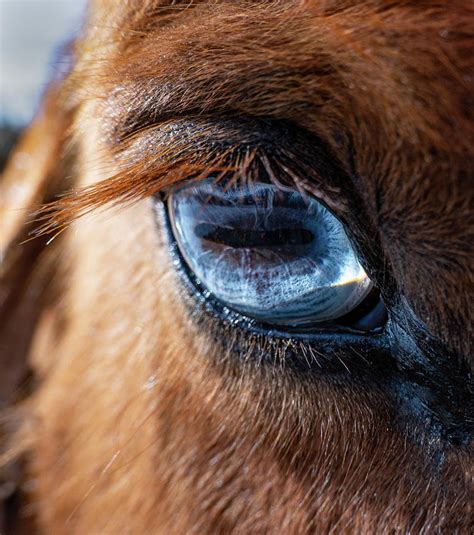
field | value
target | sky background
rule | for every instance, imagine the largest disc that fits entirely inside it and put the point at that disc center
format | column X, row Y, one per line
column 31, row 34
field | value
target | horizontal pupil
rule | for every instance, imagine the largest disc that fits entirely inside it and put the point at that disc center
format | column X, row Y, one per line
column 247, row 238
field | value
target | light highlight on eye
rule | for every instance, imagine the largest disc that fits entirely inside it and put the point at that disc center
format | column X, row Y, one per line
column 268, row 253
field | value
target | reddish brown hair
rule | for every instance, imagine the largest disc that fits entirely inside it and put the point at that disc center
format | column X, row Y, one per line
column 136, row 408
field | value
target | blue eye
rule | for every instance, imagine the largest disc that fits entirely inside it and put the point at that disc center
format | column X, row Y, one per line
column 268, row 253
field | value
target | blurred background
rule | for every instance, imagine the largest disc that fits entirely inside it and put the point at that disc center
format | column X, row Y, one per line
column 32, row 34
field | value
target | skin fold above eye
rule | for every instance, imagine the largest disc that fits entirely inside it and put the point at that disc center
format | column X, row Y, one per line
column 268, row 253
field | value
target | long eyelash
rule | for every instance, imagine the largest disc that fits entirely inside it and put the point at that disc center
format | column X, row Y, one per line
column 126, row 187
column 148, row 177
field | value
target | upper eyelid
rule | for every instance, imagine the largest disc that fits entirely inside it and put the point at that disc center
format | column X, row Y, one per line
column 212, row 140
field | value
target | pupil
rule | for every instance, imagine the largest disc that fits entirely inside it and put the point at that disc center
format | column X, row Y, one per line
column 248, row 238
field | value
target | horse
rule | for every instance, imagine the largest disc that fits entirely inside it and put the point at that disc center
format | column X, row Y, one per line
column 236, row 274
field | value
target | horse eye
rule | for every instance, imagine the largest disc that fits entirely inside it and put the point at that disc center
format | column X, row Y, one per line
column 268, row 253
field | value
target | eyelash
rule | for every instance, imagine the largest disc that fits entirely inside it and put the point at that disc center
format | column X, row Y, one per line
column 139, row 179
column 152, row 160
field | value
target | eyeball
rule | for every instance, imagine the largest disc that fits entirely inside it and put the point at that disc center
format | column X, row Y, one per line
column 270, row 254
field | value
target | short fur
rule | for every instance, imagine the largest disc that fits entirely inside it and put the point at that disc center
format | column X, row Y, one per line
column 131, row 408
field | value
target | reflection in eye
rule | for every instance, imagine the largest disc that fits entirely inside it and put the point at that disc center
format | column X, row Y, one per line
column 268, row 253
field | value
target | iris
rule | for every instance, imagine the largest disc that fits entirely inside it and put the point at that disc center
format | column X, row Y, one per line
column 269, row 253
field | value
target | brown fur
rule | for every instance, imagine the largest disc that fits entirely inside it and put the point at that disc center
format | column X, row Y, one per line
column 142, row 416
